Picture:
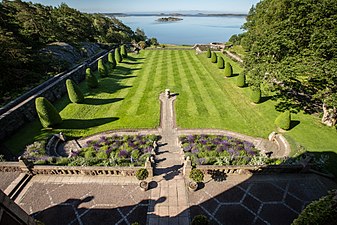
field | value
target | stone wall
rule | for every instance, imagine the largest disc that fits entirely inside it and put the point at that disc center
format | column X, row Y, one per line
column 22, row 110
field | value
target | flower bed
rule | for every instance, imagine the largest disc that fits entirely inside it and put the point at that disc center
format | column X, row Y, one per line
column 128, row 150
column 221, row 150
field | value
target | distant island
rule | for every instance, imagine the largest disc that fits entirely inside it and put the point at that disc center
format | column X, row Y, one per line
column 177, row 14
column 169, row 19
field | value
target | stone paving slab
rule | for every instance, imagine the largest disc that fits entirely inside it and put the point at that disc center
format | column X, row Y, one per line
column 6, row 178
column 259, row 199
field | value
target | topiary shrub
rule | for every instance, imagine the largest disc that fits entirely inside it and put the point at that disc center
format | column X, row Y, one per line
column 200, row 220
column 214, row 57
column 90, row 79
column 142, row 174
column 241, row 80
column 101, row 68
column 320, row 212
column 209, row 53
column 255, row 95
column 118, row 56
column 74, row 92
column 112, row 61
column 47, row 113
column 197, row 175
column 228, row 70
column 221, row 63
column 124, row 52
column 283, row 120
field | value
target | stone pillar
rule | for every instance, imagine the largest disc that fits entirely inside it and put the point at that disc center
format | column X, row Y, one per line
column 187, row 166
column 148, row 167
column 167, row 93
column 25, row 165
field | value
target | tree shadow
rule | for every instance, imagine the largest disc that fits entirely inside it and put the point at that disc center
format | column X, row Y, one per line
column 134, row 59
column 85, row 123
column 124, row 70
column 294, row 123
column 121, row 77
column 265, row 99
column 132, row 63
column 99, row 101
column 234, row 75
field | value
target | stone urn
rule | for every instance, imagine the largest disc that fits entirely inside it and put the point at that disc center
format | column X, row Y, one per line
column 192, row 186
column 144, row 185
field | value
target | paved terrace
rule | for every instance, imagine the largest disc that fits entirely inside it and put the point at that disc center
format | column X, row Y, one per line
column 236, row 199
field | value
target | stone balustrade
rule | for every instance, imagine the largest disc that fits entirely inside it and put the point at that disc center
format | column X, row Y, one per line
column 10, row 167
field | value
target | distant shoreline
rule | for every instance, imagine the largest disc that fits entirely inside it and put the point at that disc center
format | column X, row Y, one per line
column 176, row 14
column 168, row 19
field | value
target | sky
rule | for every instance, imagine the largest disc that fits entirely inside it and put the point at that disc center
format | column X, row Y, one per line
column 132, row 6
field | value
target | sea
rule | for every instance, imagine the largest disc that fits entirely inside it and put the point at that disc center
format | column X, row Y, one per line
column 189, row 31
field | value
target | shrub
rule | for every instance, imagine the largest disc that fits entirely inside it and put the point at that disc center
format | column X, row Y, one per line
column 124, row 52
column 91, row 79
column 142, row 174
column 241, row 80
column 118, row 56
column 214, row 57
column 228, row 70
column 221, row 63
column 74, row 92
column 101, row 68
column 255, row 95
column 47, row 113
column 208, row 53
column 320, row 212
column 112, row 61
column 197, row 175
column 200, row 220
column 283, row 120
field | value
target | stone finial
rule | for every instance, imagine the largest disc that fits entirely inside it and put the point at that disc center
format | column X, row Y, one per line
column 272, row 136
column 167, row 93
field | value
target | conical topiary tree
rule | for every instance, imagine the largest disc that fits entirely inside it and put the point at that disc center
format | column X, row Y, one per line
column 112, row 61
column 209, row 53
column 124, row 52
column 101, row 68
column 74, row 92
column 47, row 113
column 241, row 80
column 256, row 95
column 221, row 62
column 283, row 120
column 91, row 79
column 228, row 70
column 118, row 56
column 214, row 57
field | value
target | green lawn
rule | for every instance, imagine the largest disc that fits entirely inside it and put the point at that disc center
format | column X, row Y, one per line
column 128, row 98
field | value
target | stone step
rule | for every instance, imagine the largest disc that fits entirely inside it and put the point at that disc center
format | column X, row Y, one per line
column 13, row 190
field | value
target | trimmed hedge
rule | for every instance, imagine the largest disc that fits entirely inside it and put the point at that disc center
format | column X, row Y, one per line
column 221, row 62
column 241, row 80
column 283, row 120
column 90, row 79
column 196, row 175
column 228, row 70
column 101, row 69
column 118, row 56
column 74, row 92
column 320, row 212
column 256, row 95
column 47, row 113
column 112, row 61
column 214, row 57
column 124, row 53
column 209, row 53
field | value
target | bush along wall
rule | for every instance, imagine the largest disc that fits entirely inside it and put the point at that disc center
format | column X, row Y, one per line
column 221, row 63
column 124, row 52
column 283, row 120
column 241, row 80
column 208, row 53
column 90, row 79
column 47, row 113
column 214, row 57
column 228, row 70
column 101, row 68
column 255, row 95
column 112, row 61
column 74, row 92
column 118, row 56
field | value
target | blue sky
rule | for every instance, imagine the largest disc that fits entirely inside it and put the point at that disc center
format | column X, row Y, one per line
column 125, row 6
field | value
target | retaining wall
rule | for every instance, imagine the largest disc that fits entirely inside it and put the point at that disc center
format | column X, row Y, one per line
column 22, row 110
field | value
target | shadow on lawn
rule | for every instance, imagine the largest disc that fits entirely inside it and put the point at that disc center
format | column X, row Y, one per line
column 121, row 70
column 121, row 77
column 84, row 124
column 99, row 101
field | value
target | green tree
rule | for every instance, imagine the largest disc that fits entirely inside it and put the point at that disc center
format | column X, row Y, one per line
column 47, row 113
column 209, row 53
column 241, row 80
column 118, row 56
column 283, row 120
column 221, row 62
column 154, row 42
column 228, row 70
column 101, row 68
column 112, row 61
column 91, row 79
column 255, row 95
column 74, row 92
column 214, row 57
column 124, row 52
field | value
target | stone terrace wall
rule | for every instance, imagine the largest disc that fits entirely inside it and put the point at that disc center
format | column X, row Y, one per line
column 22, row 110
